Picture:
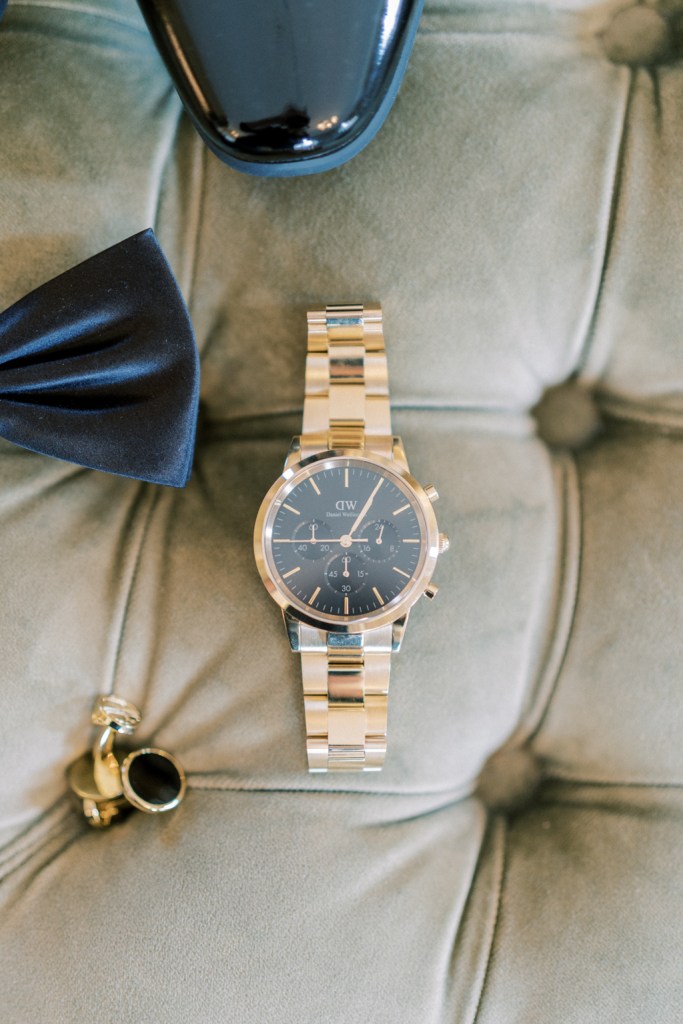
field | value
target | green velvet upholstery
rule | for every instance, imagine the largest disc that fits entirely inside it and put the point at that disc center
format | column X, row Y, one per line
column 519, row 858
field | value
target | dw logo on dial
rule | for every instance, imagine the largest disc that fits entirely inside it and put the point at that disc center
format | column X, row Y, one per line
column 345, row 506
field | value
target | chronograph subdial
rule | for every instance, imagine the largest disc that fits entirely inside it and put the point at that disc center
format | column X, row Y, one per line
column 383, row 541
column 311, row 539
column 347, row 574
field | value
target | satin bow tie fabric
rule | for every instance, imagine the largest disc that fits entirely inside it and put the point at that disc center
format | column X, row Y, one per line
column 99, row 367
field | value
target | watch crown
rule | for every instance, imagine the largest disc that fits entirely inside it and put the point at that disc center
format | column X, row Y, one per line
column 432, row 493
column 431, row 590
column 444, row 543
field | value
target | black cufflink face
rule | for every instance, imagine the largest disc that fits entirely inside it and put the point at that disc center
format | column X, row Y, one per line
column 109, row 784
column 152, row 780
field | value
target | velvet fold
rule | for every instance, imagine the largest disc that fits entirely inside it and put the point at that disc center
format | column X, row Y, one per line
column 99, row 367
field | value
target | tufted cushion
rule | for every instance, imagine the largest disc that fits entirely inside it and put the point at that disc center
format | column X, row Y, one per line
column 518, row 857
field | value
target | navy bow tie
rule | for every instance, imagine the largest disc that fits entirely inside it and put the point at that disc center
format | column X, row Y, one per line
column 99, row 367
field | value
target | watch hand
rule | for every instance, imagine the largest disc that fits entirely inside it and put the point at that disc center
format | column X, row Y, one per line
column 365, row 508
column 379, row 535
column 314, row 527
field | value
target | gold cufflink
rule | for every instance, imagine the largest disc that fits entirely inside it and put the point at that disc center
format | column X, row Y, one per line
column 108, row 786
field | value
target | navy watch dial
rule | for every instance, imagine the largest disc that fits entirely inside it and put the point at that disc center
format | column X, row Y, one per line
column 347, row 540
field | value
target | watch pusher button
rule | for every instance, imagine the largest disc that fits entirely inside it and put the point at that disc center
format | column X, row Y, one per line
column 431, row 590
column 432, row 493
column 444, row 543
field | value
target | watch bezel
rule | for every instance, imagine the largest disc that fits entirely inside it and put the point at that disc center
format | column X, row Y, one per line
column 293, row 475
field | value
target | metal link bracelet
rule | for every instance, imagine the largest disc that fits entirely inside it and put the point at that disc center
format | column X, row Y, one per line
column 346, row 405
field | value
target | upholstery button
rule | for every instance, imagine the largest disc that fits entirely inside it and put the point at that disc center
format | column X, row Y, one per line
column 509, row 779
column 667, row 8
column 567, row 416
column 638, row 35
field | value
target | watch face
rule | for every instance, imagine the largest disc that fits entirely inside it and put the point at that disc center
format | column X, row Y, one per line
column 345, row 538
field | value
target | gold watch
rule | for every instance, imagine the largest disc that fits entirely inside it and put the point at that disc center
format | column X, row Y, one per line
column 346, row 541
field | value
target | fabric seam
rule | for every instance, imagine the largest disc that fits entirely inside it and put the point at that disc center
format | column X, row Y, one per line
column 500, row 826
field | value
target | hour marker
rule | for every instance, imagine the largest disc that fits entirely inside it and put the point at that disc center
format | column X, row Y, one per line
column 314, row 595
column 346, row 477
column 411, row 540
column 394, row 567
column 377, row 595
column 401, row 509
column 290, row 508
column 291, row 572
column 315, row 486
column 346, row 605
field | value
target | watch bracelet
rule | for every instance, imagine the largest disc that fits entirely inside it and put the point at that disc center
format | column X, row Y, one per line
column 346, row 405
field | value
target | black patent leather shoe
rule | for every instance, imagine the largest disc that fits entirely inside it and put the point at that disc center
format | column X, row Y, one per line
column 285, row 87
